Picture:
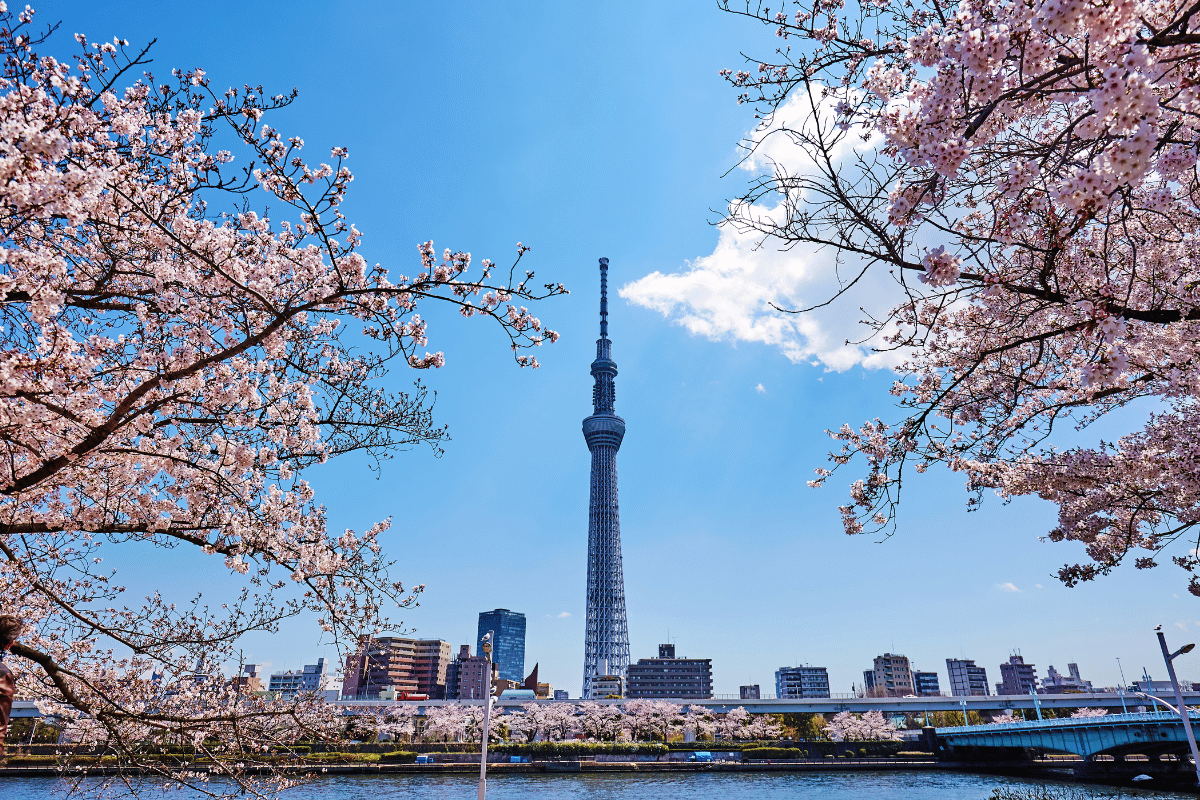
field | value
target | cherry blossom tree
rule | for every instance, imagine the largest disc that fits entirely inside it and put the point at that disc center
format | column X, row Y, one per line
column 1081, row 713
column 171, row 360
column 559, row 721
column 399, row 722
column 1025, row 172
column 869, row 726
column 731, row 724
column 739, row 723
column 765, row 726
column 647, row 719
column 699, row 720
column 525, row 723
column 601, row 721
column 446, row 723
column 472, row 724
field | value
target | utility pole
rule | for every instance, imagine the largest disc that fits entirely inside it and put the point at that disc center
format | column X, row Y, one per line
column 486, row 647
column 1169, row 657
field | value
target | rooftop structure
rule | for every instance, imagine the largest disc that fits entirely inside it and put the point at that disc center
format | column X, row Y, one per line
column 1057, row 683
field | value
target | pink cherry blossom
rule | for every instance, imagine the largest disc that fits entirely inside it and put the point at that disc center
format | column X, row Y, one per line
column 171, row 361
column 1046, row 150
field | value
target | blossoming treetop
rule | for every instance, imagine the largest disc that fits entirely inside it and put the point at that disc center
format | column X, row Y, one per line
column 170, row 363
column 1026, row 172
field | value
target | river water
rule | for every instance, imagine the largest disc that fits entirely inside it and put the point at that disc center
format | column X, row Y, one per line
column 661, row 786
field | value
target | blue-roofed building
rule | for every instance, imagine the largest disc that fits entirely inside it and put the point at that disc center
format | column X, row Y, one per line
column 508, row 648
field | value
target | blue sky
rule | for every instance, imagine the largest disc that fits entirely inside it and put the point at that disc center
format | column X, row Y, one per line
column 585, row 132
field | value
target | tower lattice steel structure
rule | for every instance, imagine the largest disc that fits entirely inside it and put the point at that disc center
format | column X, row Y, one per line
column 606, row 648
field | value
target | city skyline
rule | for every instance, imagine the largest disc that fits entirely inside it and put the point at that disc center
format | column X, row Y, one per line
column 722, row 536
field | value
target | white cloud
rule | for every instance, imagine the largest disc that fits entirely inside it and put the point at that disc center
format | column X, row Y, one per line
column 1008, row 587
column 727, row 294
column 564, row 614
column 1037, row 586
column 760, row 389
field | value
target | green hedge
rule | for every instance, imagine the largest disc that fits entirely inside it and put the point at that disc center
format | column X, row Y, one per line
column 773, row 752
column 299, row 749
column 723, row 746
column 32, row 761
column 561, row 749
column 399, row 757
column 345, row 758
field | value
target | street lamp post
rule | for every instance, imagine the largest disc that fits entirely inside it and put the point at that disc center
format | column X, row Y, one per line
column 1169, row 657
column 1160, row 701
column 1124, row 686
column 486, row 647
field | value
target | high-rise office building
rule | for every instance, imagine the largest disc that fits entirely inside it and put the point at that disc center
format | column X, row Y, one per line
column 1017, row 677
column 805, row 681
column 508, row 646
column 966, row 679
column 606, row 638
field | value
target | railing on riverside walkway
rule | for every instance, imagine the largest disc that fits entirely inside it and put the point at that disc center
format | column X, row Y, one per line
column 1066, row 722
column 834, row 696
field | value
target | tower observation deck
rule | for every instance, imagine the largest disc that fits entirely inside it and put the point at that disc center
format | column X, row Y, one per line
column 606, row 646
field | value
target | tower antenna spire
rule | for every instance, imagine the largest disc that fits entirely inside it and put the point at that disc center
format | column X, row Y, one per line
column 604, row 298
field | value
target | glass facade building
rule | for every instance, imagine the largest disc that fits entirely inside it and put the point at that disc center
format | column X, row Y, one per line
column 508, row 649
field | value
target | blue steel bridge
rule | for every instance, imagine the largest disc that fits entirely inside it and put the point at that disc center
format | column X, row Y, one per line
column 1108, row 738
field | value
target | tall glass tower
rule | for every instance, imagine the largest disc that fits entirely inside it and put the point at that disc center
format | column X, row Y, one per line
column 606, row 646
column 508, row 648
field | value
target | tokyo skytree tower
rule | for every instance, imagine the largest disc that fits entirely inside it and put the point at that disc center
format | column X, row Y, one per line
column 606, row 646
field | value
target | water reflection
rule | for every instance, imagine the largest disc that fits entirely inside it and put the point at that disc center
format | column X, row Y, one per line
column 655, row 786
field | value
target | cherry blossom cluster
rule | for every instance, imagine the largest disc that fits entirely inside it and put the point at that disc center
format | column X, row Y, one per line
column 1033, row 164
column 866, row 727
column 171, row 361
column 634, row 720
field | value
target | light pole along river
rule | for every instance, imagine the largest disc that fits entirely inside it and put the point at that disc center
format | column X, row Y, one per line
column 486, row 647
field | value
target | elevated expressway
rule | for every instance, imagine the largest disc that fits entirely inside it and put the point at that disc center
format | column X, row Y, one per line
column 1113, row 703
column 993, row 704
